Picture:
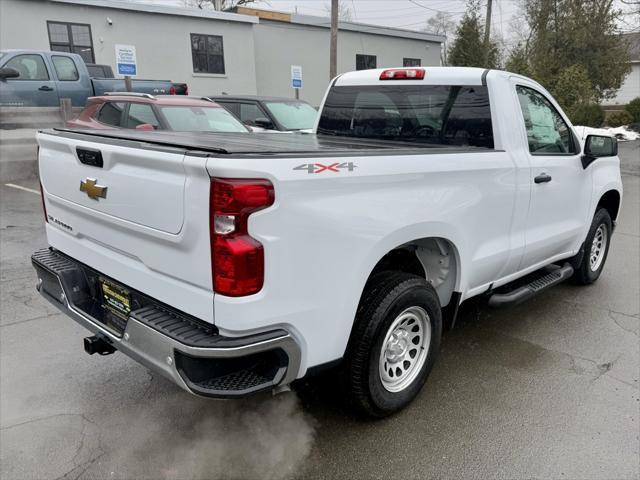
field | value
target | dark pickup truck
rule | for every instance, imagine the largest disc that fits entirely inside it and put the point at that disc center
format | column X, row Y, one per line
column 34, row 78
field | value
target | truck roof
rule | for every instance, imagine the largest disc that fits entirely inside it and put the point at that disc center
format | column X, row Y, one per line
column 433, row 75
column 32, row 50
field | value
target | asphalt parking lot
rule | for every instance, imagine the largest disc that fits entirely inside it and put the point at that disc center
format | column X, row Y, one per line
column 548, row 389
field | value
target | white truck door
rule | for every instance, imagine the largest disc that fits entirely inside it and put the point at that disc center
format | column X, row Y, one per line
column 561, row 188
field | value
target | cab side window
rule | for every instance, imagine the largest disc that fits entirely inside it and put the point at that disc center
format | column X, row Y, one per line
column 111, row 113
column 547, row 132
column 66, row 69
column 30, row 67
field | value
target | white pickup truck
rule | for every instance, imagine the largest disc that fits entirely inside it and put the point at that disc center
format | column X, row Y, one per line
column 235, row 263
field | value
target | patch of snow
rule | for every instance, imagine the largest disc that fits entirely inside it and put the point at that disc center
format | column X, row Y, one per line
column 623, row 134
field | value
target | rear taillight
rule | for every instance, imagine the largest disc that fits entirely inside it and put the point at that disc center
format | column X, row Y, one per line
column 402, row 74
column 172, row 90
column 186, row 89
column 44, row 206
column 237, row 259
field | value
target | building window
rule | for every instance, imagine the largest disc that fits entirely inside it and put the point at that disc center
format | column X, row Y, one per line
column 411, row 62
column 71, row 38
column 207, row 53
column 365, row 62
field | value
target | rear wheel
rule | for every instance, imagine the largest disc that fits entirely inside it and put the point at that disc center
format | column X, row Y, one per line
column 596, row 249
column 394, row 343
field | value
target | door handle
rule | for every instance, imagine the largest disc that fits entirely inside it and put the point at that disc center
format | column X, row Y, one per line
column 542, row 178
column 45, row 88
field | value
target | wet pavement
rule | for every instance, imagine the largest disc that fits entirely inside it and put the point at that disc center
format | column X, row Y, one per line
column 548, row 389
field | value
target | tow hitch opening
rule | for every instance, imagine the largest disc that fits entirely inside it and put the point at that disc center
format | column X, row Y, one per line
column 96, row 344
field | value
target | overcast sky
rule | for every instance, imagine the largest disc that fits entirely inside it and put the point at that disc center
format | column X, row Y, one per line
column 411, row 14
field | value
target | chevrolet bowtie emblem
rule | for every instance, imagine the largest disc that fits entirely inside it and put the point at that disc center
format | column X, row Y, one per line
column 92, row 189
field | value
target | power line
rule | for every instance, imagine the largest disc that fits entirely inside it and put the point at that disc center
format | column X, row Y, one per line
column 434, row 9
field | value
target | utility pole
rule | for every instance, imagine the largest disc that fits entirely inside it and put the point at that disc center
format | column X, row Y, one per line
column 333, row 49
column 487, row 33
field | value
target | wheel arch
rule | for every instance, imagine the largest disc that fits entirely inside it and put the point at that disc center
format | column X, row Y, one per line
column 435, row 258
column 610, row 200
column 399, row 251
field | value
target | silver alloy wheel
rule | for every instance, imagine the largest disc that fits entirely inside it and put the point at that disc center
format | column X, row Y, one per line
column 404, row 349
column 598, row 247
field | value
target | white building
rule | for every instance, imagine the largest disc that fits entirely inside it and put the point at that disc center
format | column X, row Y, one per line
column 248, row 52
column 630, row 88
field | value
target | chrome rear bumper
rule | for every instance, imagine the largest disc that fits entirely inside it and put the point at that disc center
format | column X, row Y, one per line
column 183, row 349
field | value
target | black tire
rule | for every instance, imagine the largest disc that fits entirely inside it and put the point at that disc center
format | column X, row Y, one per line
column 584, row 273
column 387, row 295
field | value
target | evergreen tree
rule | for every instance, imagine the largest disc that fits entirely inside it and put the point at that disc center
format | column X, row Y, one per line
column 570, row 37
column 467, row 49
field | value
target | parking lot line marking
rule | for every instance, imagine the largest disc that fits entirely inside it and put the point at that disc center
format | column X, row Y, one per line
column 31, row 190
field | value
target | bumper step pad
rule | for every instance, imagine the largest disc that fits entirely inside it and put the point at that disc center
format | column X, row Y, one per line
column 242, row 380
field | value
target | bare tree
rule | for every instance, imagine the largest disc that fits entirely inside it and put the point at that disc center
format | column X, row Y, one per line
column 344, row 12
column 222, row 5
column 441, row 24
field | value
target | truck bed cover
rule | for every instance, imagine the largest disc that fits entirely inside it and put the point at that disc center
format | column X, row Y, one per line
column 258, row 144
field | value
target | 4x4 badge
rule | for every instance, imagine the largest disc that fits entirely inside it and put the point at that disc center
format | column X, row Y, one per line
column 92, row 189
column 319, row 167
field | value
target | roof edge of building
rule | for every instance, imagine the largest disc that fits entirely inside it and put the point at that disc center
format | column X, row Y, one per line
column 162, row 10
column 324, row 22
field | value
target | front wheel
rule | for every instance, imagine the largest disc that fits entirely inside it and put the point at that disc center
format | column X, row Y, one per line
column 596, row 249
column 395, row 340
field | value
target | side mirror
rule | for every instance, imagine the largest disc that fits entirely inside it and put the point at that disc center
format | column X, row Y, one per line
column 264, row 123
column 8, row 72
column 596, row 146
column 147, row 127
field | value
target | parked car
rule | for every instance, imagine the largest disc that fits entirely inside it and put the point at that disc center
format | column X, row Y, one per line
column 270, row 113
column 105, row 71
column 148, row 112
column 234, row 264
column 41, row 79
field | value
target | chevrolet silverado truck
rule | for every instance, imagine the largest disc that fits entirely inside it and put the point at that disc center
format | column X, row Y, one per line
column 234, row 263
column 37, row 78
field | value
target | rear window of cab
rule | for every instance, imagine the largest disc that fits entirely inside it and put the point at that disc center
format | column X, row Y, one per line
column 435, row 115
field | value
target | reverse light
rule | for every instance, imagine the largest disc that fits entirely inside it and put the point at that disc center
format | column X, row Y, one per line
column 237, row 259
column 402, row 74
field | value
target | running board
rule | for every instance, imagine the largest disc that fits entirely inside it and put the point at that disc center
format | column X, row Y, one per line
column 533, row 288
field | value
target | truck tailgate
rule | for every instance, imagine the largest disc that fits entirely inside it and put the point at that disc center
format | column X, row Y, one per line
column 127, row 176
column 140, row 216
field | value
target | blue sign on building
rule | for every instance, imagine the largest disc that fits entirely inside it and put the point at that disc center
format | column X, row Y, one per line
column 127, row 69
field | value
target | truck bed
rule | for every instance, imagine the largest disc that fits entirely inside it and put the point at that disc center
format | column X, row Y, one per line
column 259, row 144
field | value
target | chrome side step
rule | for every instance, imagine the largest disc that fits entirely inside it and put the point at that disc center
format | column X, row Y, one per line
column 545, row 280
